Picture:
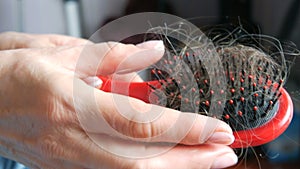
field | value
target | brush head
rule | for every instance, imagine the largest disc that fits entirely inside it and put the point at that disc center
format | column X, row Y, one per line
column 238, row 79
column 247, row 83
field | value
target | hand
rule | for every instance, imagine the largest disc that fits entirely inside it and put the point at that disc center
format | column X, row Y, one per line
column 16, row 40
column 48, row 119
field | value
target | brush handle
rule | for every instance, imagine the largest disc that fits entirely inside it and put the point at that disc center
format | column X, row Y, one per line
column 139, row 90
column 243, row 138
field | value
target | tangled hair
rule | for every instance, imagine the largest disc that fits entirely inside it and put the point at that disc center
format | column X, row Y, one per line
column 231, row 75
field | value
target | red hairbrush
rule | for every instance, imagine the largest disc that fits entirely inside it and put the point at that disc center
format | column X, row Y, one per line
column 252, row 99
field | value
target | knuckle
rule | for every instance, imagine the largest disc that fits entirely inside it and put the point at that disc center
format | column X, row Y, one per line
column 61, row 112
column 49, row 147
column 140, row 125
column 141, row 130
column 66, row 118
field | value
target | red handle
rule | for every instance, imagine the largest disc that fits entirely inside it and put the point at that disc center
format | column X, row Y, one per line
column 139, row 90
column 244, row 138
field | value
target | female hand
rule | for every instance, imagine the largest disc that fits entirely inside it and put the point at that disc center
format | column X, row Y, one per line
column 51, row 118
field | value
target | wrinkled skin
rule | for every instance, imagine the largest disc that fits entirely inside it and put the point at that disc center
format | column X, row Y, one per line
column 40, row 119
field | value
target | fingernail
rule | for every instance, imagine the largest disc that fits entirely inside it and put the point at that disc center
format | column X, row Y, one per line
column 224, row 161
column 94, row 81
column 152, row 44
column 221, row 138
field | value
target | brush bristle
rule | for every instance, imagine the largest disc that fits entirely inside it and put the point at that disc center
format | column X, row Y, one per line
column 253, row 80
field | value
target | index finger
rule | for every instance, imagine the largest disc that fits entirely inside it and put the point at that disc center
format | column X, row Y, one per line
column 109, row 57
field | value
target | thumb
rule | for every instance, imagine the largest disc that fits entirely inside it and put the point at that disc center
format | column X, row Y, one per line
column 129, row 118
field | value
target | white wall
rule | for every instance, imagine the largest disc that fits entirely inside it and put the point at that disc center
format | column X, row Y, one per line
column 47, row 16
column 35, row 16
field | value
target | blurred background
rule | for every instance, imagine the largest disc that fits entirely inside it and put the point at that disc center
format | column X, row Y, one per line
column 82, row 18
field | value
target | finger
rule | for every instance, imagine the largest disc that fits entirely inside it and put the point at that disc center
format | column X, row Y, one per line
column 107, row 58
column 136, row 119
column 134, row 76
column 209, row 156
column 15, row 40
column 121, row 116
column 62, row 40
column 114, row 154
column 52, row 40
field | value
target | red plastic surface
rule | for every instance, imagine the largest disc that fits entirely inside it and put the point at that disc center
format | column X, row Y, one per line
column 244, row 138
column 139, row 90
